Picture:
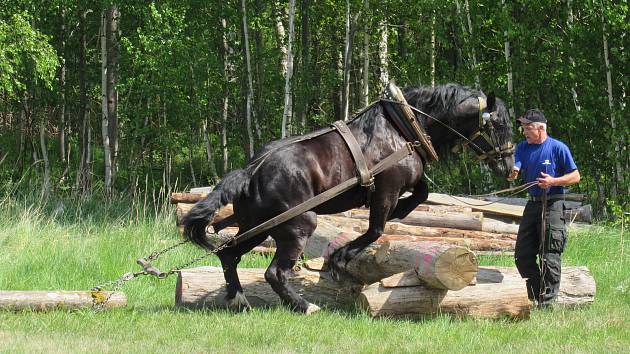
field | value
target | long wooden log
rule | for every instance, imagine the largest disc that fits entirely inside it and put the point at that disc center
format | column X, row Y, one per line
column 183, row 209
column 466, row 221
column 187, row 198
column 577, row 285
column 499, row 292
column 475, row 204
column 438, row 264
column 205, row 287
column 488, row 300
column 330, row 233
column 50, row 300
column 399, row 228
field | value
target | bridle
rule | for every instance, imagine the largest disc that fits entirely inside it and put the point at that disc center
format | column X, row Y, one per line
column 485, row 135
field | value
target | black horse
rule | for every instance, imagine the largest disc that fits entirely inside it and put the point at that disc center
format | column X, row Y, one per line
column 288, row 172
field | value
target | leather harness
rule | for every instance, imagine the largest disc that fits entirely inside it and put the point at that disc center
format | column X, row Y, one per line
column 417, row 141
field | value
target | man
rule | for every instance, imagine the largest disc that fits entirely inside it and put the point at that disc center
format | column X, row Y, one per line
column 548, row 161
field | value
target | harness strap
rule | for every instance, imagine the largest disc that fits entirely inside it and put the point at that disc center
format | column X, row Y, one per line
column 309, row 204
column 410, row 119
column 366, row 178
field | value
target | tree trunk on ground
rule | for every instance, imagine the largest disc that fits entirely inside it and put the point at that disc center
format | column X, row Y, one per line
column 288, row 100
column 250, row 86
column 472, row 221
column 205, row 287
column 53, row 300
column 479, row 301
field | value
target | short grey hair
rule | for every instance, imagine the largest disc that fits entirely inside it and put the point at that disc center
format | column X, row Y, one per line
column 538, row 124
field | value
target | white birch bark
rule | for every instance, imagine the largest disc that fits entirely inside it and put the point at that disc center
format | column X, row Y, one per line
column 44, row 150
column 281, row 37
column 473, row 52
column 433, row 51
column 383, row 57
column 228, row 75
column 611, row 106
column 250, row 86
column 365, row 82
column 209, row 152
column 346, row 67
column 574, row 94
column 288, row 101
column 508, row 61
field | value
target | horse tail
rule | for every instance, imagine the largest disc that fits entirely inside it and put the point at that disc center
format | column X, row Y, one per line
column 195, row 222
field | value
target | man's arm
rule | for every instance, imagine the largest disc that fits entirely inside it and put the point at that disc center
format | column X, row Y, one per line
column 570, row 178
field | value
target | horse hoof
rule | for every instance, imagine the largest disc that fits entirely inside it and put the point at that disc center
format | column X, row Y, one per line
column 311, row 309
column 239, row 302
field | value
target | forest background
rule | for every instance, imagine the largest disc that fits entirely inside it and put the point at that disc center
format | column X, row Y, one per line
column 102, row 99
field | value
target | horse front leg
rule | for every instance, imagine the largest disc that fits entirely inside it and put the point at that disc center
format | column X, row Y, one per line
column 380, row 208
column 230, row 257
column 407, row 205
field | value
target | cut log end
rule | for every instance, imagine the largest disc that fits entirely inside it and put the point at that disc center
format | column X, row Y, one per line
column 456, row 268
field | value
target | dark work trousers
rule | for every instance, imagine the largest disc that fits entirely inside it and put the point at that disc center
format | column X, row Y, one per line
column 527, row 249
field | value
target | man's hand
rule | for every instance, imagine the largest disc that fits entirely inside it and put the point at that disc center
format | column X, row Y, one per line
column 546, row 181
column 512, row 175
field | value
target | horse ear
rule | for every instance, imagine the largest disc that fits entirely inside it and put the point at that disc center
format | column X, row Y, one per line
column 492, row 101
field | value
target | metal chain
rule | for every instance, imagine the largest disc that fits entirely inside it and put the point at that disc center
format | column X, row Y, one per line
column 99, row 300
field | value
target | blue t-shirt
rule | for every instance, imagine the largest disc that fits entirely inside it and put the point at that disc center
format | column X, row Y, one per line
column 552, row 157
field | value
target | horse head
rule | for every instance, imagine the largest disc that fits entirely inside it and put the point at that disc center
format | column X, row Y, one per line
column 465, row 117
column 489, row 132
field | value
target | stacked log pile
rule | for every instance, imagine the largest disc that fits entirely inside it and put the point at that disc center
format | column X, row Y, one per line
column 422, row 265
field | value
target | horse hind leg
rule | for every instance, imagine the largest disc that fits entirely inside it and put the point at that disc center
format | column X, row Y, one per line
column 290, row 239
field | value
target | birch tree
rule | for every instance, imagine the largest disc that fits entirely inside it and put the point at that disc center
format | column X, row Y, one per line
column 250, row 86
column 107, row 156
column 508, row 60
column 383, row 57
column 611, row 106
column 288, row 101
column 228, row 78
column 365, row 81
column 347, row 60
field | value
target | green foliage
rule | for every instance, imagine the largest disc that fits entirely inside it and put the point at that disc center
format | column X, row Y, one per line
column 26, row 56
column 173, row 80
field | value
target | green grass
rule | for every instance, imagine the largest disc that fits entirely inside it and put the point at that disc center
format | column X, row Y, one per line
column 88, row 243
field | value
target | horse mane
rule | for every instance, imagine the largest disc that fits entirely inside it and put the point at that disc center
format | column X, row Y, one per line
column 440, row 101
